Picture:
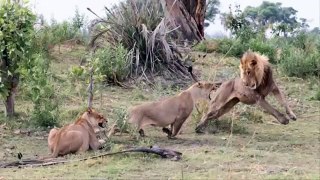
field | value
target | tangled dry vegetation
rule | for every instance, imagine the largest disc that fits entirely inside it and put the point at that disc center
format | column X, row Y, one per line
column 141, row 28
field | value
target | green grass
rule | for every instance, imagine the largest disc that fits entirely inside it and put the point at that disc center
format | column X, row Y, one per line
column 258, row 149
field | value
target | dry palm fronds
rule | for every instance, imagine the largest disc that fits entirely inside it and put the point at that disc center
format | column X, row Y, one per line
column 140, row 27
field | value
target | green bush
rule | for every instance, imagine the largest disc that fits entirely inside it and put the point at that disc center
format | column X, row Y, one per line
column 206, row 46
column 40, row 91
column 236, row 48
column 201, row 47
column 231, row 47
column 263, row 47
column 296, row 62
column 120, row 117
column 43, row 40
column 111, row 62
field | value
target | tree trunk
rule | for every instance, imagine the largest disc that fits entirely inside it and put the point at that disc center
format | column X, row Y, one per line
column 197, row 9
column 188, row 15
column 9, row 101
column 10, row 81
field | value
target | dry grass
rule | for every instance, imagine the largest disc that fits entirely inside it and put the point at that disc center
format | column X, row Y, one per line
column 267, row 151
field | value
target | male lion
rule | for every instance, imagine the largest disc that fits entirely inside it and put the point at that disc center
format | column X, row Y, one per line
column 255, row 84
column 170, row 111
column 78, row 136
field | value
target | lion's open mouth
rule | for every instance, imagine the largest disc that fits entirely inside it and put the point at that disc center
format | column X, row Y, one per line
column 103, row 125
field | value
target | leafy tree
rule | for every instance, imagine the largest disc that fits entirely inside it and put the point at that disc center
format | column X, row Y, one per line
column 16, row 33
column 282, row 20
column 78, row 20
column 62, row 32
column 315, row 30
column 212, row 10
column 268, row 14
column 237, row 23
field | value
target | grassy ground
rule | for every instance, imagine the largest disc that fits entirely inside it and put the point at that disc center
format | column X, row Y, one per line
column 255, row 148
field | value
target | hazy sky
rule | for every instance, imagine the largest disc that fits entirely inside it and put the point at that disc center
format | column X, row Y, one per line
column 64, row 9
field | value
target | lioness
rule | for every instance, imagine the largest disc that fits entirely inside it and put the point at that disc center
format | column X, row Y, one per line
column 171, row 111
column 255, row 84
column 78, row 136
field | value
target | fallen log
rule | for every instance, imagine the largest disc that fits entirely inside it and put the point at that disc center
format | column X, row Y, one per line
column 164, row 153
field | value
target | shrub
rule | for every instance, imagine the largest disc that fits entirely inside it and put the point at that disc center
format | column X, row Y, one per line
column 231, row 47
column 236, row 48
column 111, row 62
column 120, row 117
column 206, row 46
column 263, row 47
column 43, row 40
column 296, row 62
column 40, row 91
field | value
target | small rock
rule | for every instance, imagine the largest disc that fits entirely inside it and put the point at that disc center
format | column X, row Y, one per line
column 9, row 151
column 7, row 146
column 18, row 131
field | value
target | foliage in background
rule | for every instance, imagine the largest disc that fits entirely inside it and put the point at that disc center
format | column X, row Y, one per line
column 50, row 34
column 282, row 20
column 120, row 117
column 212, row 10
column 39, row 88
column 111, row 62
column 296, row 56
column 292, row 46
column 297, row 62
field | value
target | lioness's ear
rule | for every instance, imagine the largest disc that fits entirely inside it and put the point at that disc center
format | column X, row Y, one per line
column 199, row 84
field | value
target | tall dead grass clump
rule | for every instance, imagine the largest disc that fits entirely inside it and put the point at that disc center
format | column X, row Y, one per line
column 140, row 27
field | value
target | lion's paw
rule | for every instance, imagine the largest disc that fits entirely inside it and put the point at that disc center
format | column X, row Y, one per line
column 284, row 120
column 292, row 116
column 199, row 129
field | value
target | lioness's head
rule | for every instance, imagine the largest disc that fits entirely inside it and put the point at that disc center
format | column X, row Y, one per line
column 252, row 69
column 95, row 118
column 203, row 89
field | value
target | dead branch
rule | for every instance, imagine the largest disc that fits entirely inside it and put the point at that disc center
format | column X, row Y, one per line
column 117, row 82
column 90, row 89
column 164, row 153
